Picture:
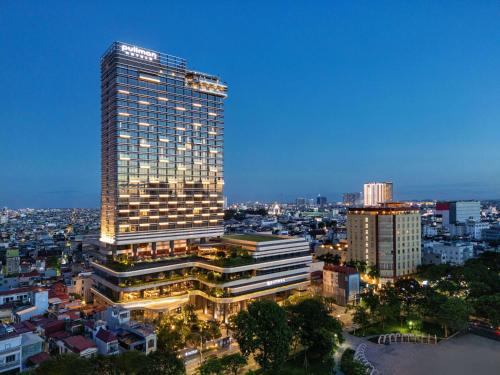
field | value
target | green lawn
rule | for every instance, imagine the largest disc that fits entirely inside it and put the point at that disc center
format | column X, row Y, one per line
column 252, row 237
column 376, row 329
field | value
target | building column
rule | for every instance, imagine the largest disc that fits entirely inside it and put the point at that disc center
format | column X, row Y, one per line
column 224, row 313
column 171, row 245
column 134, row 251
column 153, row 247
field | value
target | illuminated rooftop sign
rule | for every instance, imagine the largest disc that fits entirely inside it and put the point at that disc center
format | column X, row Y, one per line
column 139, row 53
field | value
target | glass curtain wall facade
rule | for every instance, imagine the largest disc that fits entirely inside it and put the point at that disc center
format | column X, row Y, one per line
column 162, row 197
column 162, row 153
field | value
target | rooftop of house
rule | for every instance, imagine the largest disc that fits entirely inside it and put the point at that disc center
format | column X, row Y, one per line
column 340, row 269
column 24, row 326
column 39, row 358
column 128, row 337
column 16, row 291
column 78, row 343
column 106, row 336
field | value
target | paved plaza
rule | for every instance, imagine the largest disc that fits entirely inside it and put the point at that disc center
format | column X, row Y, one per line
column 468, row 354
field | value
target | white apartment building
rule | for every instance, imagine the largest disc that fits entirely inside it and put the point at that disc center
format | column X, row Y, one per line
column 10, row 349
column 447, row 252
column 376, row 193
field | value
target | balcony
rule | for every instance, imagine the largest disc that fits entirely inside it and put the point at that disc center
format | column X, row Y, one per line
column 9, row 365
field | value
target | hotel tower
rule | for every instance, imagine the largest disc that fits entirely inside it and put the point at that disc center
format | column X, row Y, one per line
column 162, row 192
column 387, row 238
column 162, row 134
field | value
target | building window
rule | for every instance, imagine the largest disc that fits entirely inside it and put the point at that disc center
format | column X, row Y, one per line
column 10, row 358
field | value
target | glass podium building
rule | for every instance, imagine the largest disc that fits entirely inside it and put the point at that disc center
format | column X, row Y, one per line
column 162, row 188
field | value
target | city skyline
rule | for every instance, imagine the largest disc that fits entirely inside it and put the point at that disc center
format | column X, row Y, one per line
column 435, row 80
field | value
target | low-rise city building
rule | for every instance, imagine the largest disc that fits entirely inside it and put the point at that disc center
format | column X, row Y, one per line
column 10, row 349
column 107, row 342
column 78, row 345
column 341, row 283
column 447, row 252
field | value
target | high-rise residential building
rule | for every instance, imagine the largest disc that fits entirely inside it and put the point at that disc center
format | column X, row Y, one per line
column 457, row 212
column 376, row 193
column 387, row 237
column 300, row 202
column 162, row 196
column 321, row 201
column 352, row 199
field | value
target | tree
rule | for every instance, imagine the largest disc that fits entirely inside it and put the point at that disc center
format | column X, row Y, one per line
column 349, row 365
column 211, row 330
column 390, row 306
column 371, row 300
column 171, row 334
column 66, row 364
column 130, row 362
column 211, row 366
column 163, row 363
column 488, row 307
column 232, row 363
column 103, row 365
column 361, row 317
column 453, row 313
column 374, row 273
column 263, row 330
column 410, row 295
column 189, row 314
column 317, row 331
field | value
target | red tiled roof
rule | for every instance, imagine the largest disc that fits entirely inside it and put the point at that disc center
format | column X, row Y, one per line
column 53, row 326
column 106, row 336
column 78, row 343
column 33, row 273
column 59, row 335
column 15, row 291
column 25, row 326
column 39, row 358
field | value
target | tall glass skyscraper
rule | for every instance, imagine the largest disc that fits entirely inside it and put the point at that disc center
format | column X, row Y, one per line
column 162, row 242
column 162, row 152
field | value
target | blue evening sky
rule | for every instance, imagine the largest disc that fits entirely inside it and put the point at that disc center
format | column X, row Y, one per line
column 323, row 95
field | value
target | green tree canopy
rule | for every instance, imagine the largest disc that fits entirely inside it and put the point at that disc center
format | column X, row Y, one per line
column 317, row 331
column 232, row 363
column 453, row 313
column 263, row 330
column 488, row 307
column 361, row 317
column 163, row 363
